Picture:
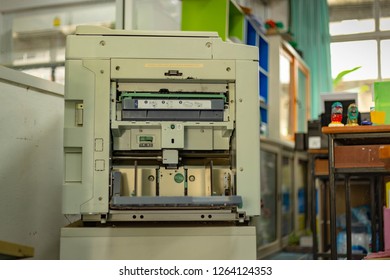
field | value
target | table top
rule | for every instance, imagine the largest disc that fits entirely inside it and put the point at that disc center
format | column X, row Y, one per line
column 317, row 151
column 356, row 129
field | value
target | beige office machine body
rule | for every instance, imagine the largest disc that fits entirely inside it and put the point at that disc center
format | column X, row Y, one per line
column 161, row 130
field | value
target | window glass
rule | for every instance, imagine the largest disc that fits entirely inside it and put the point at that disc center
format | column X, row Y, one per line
column 385, row 58
column 348, row 55
column 384, row 22
column 351, row 26
column 351, row 17
column 286, row 130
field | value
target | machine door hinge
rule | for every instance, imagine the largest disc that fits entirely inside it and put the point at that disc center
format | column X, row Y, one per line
column 79, row 114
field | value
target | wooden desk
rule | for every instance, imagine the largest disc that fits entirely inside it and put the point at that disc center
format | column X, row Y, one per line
column 354, row 151
column 317, row 158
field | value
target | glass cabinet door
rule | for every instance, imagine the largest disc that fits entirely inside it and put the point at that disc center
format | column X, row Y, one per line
column 266, row 222
column 300, row 190
column 286, row 98
column 287, row 195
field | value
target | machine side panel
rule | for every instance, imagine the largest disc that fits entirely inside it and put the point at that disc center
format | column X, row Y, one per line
column 248, row 136
column 223, row 50
column 184, row 48
column 101, row 137
column 86, row 141
column 160, row 69
column 78, row 173
column 137, row 47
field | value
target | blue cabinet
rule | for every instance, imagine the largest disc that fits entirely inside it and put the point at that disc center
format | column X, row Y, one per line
column 255, row 37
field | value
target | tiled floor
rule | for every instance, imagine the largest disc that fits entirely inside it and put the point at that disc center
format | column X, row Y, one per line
column 289, row 256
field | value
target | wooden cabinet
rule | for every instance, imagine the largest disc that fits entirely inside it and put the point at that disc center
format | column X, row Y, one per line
column 289, row 91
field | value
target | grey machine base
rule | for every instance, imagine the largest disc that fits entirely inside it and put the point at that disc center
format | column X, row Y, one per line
column 159, row 243
column 128, row 201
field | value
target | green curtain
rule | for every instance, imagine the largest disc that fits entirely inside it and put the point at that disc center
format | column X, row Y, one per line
column 309, row 23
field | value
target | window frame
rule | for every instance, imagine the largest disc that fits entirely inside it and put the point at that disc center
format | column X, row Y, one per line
column 377, row 35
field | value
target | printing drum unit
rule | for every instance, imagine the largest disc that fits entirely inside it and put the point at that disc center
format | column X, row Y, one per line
column 172, row 107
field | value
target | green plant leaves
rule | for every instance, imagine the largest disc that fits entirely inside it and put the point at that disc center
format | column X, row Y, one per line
column 342, row 74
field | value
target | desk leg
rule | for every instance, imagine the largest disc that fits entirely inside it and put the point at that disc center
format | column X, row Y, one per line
column 313, row 209
column 348, row 216
column 332, row 202
column 324, row 193
column 379, row 190
column 373, row 214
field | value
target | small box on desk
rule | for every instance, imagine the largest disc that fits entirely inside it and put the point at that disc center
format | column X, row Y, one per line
column 321, row 167
column 300, row 141
column 316, row 139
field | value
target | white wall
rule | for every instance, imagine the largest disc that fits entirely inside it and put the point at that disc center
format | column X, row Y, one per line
column 12, row 5
column 279, row 11
column 31, row 125
column 260, row 10
column 148, row 14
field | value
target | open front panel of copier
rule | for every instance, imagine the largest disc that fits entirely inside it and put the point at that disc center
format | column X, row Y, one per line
column 160, row 135
column 172, row 145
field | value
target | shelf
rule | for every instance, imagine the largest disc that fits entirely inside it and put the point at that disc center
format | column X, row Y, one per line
column 262, row 71
column 263, row 105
